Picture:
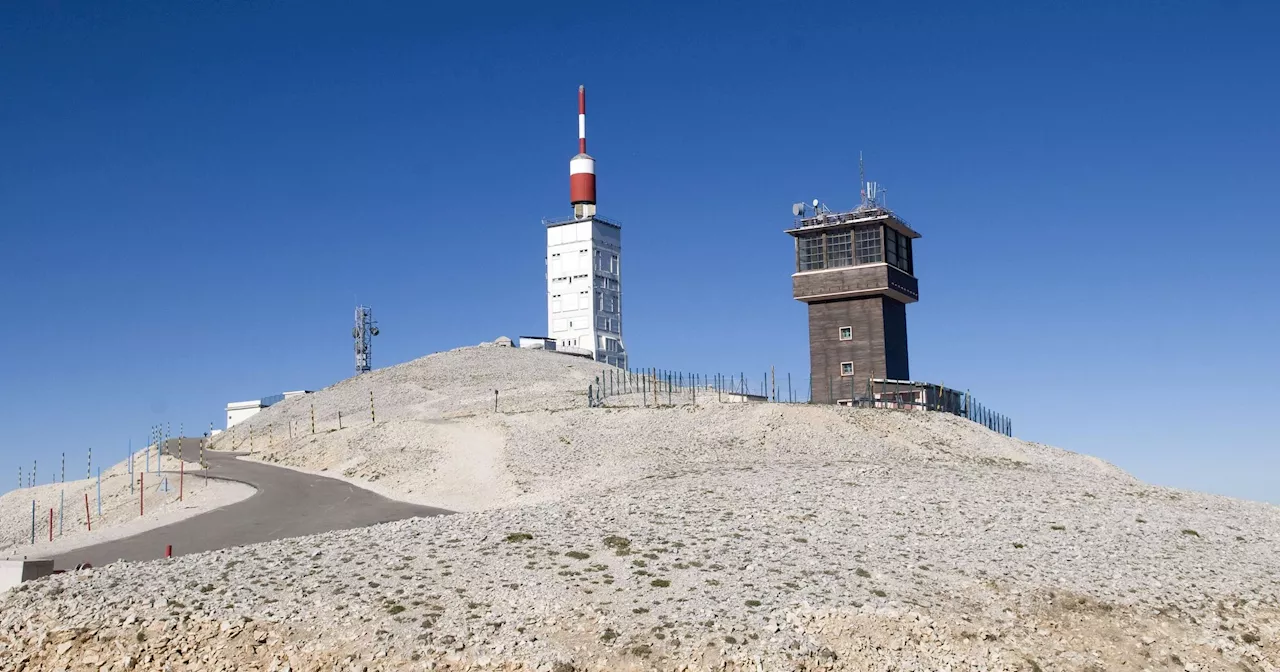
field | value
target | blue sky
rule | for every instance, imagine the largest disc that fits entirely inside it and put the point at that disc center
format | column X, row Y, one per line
column 194, row 195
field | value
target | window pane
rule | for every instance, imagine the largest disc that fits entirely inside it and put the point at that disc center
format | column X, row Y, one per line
column 867, row 244
column 839, row 249
column 810, row 252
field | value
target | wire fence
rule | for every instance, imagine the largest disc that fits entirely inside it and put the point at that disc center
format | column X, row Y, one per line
column 653, row 387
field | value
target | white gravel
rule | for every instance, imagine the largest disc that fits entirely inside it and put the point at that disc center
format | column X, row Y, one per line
column 727, row 536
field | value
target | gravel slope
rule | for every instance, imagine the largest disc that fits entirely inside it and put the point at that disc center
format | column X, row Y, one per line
column 734, row 536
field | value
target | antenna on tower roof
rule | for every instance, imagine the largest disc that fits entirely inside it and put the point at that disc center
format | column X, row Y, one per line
column 862, row 180
column 872, row 193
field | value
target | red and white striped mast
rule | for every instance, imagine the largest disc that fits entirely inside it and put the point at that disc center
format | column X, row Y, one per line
column 582, row 168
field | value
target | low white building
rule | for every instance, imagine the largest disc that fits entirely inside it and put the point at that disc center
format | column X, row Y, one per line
column 239, row 411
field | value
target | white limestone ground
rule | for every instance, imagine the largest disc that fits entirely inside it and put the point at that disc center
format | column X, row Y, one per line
column 120, row 516
column 734, row 536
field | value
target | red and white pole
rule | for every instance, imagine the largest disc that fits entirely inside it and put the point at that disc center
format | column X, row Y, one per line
column 582, row 120
column 582, row 168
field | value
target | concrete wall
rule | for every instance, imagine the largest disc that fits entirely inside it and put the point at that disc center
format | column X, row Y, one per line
column 13, row 572
column 237, row 413
column 584, row 288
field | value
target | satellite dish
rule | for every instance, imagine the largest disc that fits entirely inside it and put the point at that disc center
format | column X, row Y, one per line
column 815, row 202
column 797, row 209
column 374, row 331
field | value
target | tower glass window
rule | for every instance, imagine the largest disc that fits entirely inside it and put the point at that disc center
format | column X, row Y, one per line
column 866, row 240
column 846, row 333
column 846, row 368
column 809, row 250
column 839, row 249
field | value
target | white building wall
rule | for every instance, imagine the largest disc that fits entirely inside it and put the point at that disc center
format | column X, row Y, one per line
column 240, row 411
column 584, row 288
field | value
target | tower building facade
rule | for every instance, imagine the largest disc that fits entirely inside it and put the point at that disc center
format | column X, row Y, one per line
column 856, row 272
column 584, row 266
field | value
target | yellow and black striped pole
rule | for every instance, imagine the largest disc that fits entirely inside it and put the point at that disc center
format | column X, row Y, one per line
column 313, row 418
column 372, row 416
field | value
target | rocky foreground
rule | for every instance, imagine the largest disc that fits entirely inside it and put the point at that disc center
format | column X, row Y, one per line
column 840, row 565
column 737, row 537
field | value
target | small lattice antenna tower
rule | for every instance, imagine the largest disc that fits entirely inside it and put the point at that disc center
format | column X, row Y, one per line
column 363, row 332
column 862, row 180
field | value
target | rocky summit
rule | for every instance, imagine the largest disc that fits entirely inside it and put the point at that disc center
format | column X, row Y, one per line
column 726, row 536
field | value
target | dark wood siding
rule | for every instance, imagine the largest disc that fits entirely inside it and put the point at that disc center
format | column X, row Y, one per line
column 814, row 286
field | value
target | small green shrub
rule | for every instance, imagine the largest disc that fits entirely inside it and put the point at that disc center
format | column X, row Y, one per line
column 1191, row 533
column 518, row 536
column 660, row 583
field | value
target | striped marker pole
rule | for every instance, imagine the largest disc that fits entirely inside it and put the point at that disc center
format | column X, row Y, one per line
column 19, row 477
column 64, row 467
column 372, row 416
column 33, row 522
column 33, row 473
column 87, row 520
column 313, row 418
column 88, row 467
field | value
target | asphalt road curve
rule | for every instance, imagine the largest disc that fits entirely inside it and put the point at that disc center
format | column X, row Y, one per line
column 287, row 504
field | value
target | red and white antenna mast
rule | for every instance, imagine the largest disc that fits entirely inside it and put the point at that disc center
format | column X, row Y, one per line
column 582, row 168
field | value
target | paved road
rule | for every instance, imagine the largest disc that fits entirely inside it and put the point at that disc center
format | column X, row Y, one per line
column 287, row 504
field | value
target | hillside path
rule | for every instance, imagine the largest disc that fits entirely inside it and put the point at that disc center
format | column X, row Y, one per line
column 287, row 504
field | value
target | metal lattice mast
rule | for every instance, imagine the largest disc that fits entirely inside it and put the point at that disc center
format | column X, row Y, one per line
column 363, row 332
